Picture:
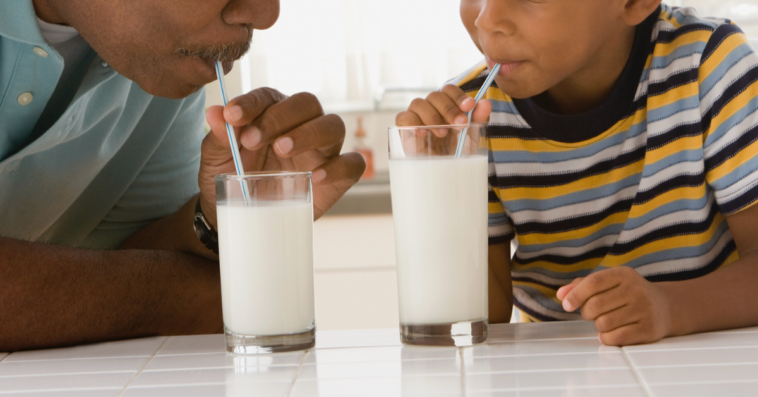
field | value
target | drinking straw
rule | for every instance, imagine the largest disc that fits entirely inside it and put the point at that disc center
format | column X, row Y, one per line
column 231, row 136
column 479, row 96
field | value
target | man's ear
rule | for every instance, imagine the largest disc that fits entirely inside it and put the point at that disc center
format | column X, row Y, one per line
column 635, row 11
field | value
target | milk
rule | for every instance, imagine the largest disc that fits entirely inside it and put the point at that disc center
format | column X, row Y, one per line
column 266, row 254
column 439, row 208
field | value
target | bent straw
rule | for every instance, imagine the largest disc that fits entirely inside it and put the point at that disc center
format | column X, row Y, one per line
column 479, row 96
column 231, row 136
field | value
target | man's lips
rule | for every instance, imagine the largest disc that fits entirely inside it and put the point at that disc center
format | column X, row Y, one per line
column 507, row 67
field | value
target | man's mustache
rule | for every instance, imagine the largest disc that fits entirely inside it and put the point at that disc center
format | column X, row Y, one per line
column 225, row 52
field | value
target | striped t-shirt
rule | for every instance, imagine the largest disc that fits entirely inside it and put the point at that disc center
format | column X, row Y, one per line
column 644, row 180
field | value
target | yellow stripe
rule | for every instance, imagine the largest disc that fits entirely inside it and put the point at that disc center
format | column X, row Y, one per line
column 588, row 264
column 689, row 240
column 671, row 96
column 591, row 182
column 495, row 208
column 734, row 106
column 681, row 144
column 731, row 259
column 472, row 75
column 742, row 157
column 664, row 49
column 682, row 193
column 544, row 238
column 721, row 52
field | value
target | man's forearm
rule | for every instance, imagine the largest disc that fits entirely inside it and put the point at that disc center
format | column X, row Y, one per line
column 720, row 300
column 55, row 296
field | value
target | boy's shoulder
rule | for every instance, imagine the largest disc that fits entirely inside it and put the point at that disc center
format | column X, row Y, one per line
column 681, row 30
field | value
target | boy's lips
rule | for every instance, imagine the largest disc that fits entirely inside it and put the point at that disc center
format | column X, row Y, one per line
column 506, row 66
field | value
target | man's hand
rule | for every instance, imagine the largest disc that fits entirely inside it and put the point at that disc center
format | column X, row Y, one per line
column 277, row 132
column 626, row 308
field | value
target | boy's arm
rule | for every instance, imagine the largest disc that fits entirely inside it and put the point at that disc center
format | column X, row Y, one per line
column 500, row 288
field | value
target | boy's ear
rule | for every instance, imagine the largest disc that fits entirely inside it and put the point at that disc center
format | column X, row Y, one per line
column 635, row 11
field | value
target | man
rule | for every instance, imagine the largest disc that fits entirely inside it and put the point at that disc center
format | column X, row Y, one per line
column 101, row 108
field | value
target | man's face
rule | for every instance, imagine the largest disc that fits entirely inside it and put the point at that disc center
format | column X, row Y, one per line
column 169, row 46
column 540, row 43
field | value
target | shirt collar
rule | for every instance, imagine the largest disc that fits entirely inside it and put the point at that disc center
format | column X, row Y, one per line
column 18, row 21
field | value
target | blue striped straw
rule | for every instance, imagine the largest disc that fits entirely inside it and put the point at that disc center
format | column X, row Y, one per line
column 232, row 137
column 479, row 96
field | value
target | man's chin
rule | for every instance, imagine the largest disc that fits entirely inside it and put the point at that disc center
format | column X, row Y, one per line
column 170, row 91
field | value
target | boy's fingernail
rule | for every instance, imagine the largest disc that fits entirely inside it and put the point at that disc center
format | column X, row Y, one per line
column 567, row 306
column 233, row 113
column 467, row 101
column 599, row 340
column 461, row 120
column 285, row 145
column 252, row 138
column 318, row 176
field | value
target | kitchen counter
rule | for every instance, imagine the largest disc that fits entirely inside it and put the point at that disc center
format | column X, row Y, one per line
column 535, row 360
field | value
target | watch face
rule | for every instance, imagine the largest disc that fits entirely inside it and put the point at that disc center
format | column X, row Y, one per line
column 198, row 226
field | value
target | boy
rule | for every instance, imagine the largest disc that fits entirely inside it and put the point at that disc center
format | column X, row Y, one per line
column 623, row 158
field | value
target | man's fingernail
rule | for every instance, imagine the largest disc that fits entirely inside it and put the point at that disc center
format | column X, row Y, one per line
column 461, row 120
column 232, row 114
column 567, row 306
column 252, row 138
column 318, row 176
column 285, row 145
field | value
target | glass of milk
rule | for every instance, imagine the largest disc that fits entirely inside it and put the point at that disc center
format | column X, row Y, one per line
column 439, row 205
column 266, row 260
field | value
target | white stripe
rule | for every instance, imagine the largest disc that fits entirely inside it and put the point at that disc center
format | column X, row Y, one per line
column 732, row 135
column 677, row 66
column 678, row 217
column 684, row 264
column 690, row 116
column 574, row 165
column 733, row 74
column 508, row 119
column 541, row 278
column 736, row 190
column 527, row 301
column 662, row 176
column 503, row 229
column 573, row 210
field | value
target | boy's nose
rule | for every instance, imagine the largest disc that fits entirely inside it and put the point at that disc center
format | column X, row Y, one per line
column 494, row 18
column 259, row 14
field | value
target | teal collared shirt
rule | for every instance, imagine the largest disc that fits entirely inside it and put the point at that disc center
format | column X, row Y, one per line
column 115, row 161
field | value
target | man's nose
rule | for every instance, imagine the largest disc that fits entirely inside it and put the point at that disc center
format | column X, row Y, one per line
column 260, row 14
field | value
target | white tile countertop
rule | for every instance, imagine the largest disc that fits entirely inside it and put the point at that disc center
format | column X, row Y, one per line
column 534, row 360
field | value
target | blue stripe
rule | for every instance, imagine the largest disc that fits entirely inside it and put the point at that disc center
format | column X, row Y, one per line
column 732, row 121
column 683, row 156
column 690, row 19
column 525, row 156
column 503, row 107
column 723, row 68
column 497, row 219
column 677, row 253
column 668, row 208
column 514, row 206
column 687, row 50
column 541, row 298
column 692, row 102
column 737, row 174
column 574, row 243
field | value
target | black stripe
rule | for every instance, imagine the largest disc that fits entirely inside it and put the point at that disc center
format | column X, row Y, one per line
column 665, row 36
column 574, row 222
column 505, row 131
column 602, row 167
column 532, row 313
column 599, row 252
column 687, row 130
column 744, row 200
column 674, row 81
column 680, row 229
column 732, row 149
column 474, row 85
column 531, row 280
column 492, row 197
column 730, row 93
column 695, row 273
column 501, row 239
column 718, row 36
column 671, row 184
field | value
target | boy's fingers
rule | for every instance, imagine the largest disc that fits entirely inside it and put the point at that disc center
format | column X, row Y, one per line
column 447, row 108
column 631, row 334
column 605, row 302
column 245, row 108
column 426, row 112
column 482, row 111
column 408, row 119
column 563, row 291
column 464, row 102
column 591, row 285
column 615, row 319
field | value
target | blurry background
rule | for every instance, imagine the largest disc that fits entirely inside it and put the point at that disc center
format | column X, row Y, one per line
column 367, row 59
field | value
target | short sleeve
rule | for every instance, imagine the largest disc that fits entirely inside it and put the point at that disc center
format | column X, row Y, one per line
column 728, row 84
column 500, row 229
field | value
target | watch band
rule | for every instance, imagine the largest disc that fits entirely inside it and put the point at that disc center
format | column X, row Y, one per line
column 204, row 231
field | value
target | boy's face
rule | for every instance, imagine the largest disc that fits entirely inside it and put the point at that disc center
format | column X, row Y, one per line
column 542, row 43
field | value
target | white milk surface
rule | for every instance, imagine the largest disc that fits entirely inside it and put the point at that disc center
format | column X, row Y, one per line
column 440, row 212
column 266, row 254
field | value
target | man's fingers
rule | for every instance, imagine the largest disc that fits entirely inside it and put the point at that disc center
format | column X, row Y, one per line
column 326, row 133
column 279, row 119
column 345, row 169
column 591, row 285
column 243, row 109
column 215, row 147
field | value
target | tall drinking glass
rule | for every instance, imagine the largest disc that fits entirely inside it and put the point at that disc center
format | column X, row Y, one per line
column 266, row 253
column 439, row 205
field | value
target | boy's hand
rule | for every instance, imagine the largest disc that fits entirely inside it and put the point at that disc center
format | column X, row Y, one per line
column 626, row 308
column 449, row 105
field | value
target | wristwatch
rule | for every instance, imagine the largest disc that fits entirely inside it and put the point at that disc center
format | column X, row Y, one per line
column 204, row 231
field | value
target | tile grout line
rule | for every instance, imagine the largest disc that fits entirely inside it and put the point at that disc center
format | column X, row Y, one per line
column 299, row 369
column 3, row 359
column 637, row 375
column 463, row 371
column 143, row 367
